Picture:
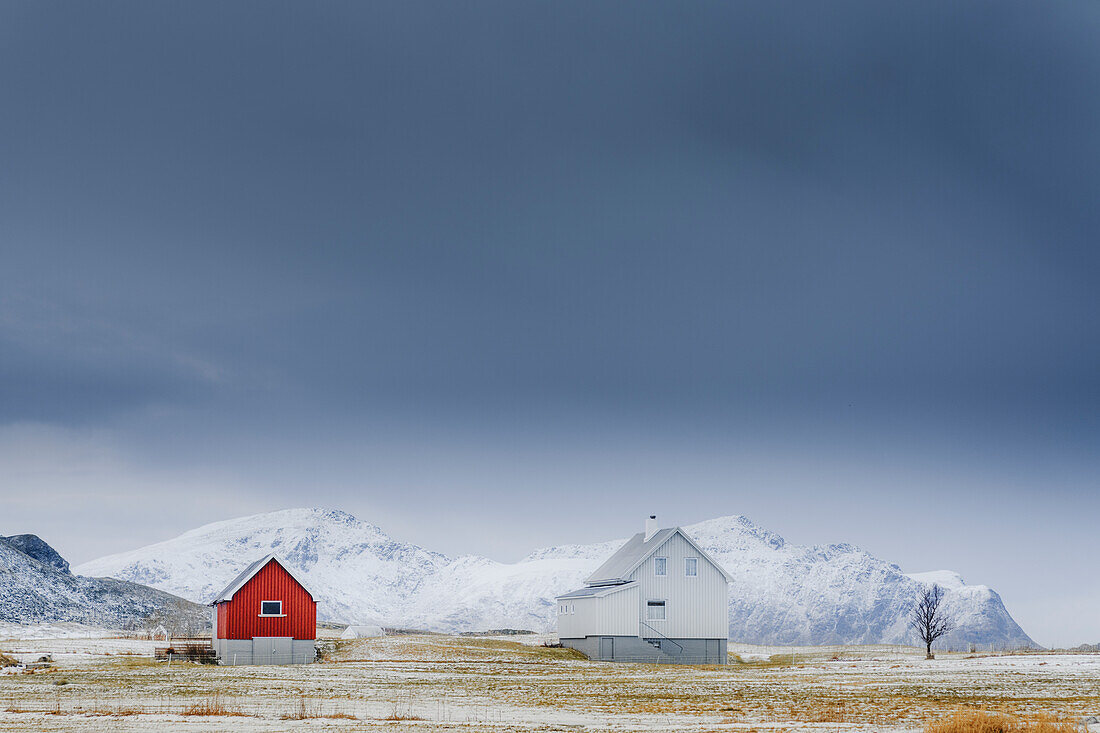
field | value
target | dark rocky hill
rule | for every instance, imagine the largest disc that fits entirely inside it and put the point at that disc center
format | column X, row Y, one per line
column 36, row 586
column 36, row 547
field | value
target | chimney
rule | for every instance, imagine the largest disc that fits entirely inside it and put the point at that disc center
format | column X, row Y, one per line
column 650, row 527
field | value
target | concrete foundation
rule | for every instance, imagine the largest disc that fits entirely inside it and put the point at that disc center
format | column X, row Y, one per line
column 265, row 650
column 656, row 651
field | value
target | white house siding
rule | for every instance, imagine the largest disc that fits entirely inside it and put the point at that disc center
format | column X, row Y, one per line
column 695, row 607
column 614, row 614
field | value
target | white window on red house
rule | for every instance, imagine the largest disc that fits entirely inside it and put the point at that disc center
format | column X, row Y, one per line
column 271, row 608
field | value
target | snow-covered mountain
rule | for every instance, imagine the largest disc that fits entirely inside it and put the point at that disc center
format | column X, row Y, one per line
column 787, row 593
column 36, row 585
column 781, row 593
column 355, row 570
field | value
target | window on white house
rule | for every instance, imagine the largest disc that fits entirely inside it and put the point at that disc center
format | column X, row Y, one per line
column 660, row 566
column 691, row 566
column 271, row 608
column 655, row 610
column 572, row 608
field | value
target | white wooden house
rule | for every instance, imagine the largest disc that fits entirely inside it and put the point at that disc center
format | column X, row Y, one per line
column 659, row 598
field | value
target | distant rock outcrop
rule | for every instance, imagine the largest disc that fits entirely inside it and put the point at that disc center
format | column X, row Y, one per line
column 37, row 586
column 782, row 593
column 36, row 547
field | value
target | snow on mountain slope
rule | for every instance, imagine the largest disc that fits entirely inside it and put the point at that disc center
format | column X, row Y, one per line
column 837, row 594
column 946, row 579
column 476, row 593
column 355, row 570
column 40, row 588
column 977, row 611
column 781, row 593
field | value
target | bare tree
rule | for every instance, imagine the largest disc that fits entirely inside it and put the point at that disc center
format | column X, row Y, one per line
column 929, row 619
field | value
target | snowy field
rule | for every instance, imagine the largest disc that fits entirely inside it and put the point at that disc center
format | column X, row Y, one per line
column 9, row 630
column 429, row 682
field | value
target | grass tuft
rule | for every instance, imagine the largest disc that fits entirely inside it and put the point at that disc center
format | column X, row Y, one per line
column 980, row 721
column 212, row 705
column 308, row 709
column 304, row 711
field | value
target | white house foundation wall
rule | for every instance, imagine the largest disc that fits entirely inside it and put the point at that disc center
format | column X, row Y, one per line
column 265, row 650
column 650, row 651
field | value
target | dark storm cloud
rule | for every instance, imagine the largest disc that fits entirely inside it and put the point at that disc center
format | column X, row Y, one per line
column 481, row 257
column 723, row 204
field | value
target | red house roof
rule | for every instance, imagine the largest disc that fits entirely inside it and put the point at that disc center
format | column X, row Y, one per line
column 250, row 572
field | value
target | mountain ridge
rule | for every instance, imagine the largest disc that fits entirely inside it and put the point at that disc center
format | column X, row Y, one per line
column 782, row 593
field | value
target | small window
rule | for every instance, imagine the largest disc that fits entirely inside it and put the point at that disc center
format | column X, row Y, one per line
column 271, row 608
column 572, row 608
column 691, row 566
column 655, row 610
column 660, row 566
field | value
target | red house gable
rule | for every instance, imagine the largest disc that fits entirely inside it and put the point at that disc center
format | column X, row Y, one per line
column 242, row 613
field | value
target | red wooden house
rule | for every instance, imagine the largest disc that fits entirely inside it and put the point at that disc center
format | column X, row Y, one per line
column 265, row 616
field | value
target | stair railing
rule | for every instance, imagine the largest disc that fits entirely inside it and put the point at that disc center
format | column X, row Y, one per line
column 658, row 633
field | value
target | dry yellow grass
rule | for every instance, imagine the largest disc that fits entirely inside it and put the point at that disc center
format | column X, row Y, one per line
column 469, row 683
column 212, row 705
column 303, row 711
column 437, row 648
column 772, row 662
column 309, row 709
column 980, row 721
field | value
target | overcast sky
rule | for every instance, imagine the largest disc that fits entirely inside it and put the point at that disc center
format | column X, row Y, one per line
column 496, row 275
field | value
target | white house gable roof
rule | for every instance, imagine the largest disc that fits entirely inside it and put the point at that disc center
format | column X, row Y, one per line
column 250, row 572
column 617, row 568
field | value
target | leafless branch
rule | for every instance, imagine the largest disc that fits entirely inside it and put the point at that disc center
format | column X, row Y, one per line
column 929, row 619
